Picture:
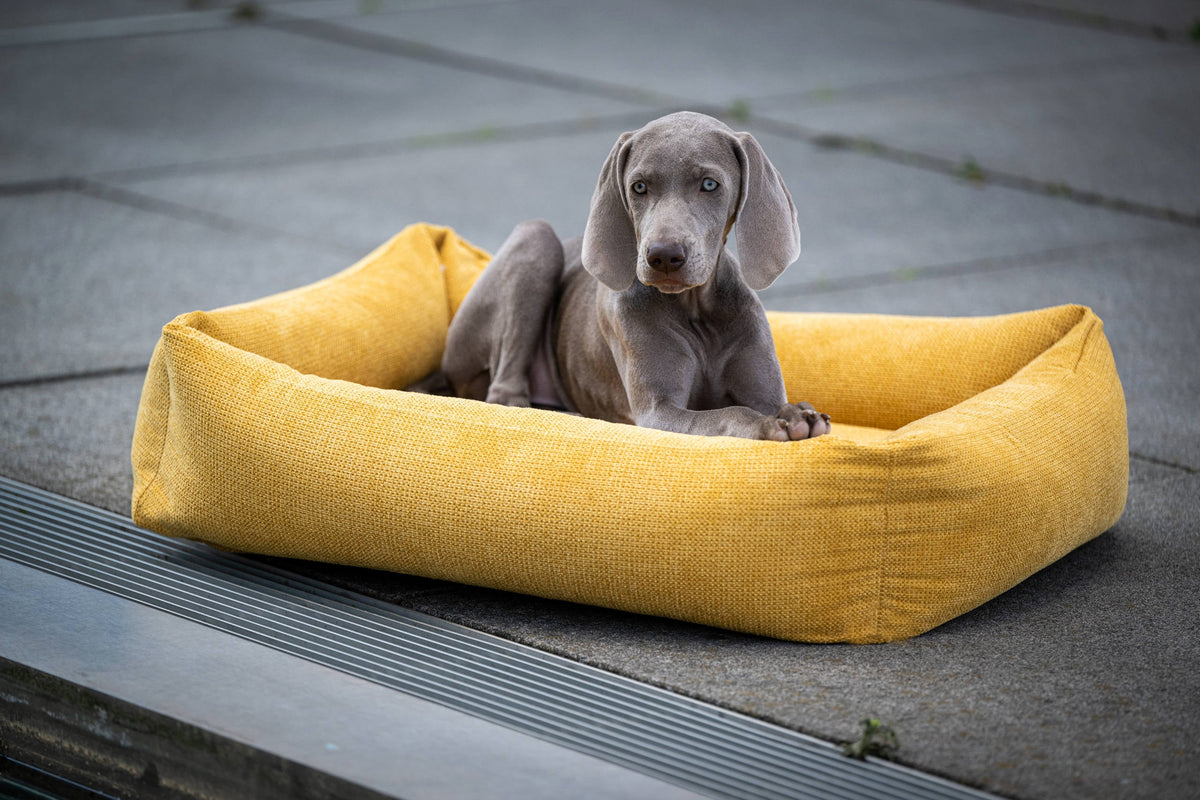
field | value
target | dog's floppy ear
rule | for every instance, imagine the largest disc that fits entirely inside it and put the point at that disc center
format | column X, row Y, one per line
column 768, row 234
column 609, row 242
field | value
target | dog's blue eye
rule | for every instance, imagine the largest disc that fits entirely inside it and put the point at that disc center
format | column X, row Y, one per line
column 639, row 187
column 708, row 185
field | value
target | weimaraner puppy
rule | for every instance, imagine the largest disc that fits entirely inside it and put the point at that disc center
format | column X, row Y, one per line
column 647, row 319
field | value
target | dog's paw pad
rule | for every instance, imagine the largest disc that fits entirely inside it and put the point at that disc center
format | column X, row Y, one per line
column 796, row 421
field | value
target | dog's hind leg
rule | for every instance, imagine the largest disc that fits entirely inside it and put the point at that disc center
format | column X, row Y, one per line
column 494, row 337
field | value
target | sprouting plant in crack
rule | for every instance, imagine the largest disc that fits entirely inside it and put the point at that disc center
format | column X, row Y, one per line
column 1194, row 31
column 739, row 110
column 877, row 740
column 247, row 11
column 970, row 171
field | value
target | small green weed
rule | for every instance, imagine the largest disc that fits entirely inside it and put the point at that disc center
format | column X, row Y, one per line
column 832, row 141
column 864, row 145
column 247, row 11
column 970, row 171
column 1194, row 31
column 739, row 110
column 485, row 133
column 877, row 740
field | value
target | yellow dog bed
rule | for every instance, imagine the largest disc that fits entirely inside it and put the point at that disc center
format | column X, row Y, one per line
column 966, row 454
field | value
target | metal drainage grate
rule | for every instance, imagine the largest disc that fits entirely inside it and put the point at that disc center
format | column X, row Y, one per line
column 687, row 742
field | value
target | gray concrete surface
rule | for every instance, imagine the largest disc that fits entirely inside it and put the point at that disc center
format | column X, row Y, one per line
column 146, row 175
column 1054, row 126
column 83, row 277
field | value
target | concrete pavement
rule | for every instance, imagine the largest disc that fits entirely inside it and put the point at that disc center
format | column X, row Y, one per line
column 946, row 158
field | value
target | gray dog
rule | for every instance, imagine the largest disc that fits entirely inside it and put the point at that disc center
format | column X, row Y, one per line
column 647, row 319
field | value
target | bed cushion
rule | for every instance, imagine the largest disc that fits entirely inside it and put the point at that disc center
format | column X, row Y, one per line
column 966, row 454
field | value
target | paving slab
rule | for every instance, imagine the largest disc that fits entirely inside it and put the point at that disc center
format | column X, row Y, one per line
column 1055, row 124
column 87, row 284
column 14, row 15
column 1146, row 293
column 859, row 216
column 71, row 12
column 73, row 437
column 481, row 188
column 1174, row 16
column 92, row 106
column 720, row 52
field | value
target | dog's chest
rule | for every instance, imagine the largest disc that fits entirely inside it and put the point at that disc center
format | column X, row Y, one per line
column 713, row 356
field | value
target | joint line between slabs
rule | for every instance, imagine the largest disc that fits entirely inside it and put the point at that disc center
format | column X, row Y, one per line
column 970, row 172
column 1077, row 19
column 65, row 377
column 1162, row 462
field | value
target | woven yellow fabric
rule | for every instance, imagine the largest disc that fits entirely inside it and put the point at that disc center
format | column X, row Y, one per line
column 966, row 455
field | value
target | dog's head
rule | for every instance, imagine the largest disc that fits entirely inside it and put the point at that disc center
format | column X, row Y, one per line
column 667, row 197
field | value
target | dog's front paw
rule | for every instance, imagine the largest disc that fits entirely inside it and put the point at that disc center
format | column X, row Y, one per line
column 796, row 421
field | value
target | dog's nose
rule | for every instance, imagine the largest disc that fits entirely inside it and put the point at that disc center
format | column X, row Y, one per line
column 666, row 256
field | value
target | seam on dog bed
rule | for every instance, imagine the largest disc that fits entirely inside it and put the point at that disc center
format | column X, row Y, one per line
column 886, row 547
column 158, row 366
column 1085, row 346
